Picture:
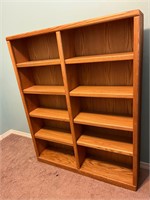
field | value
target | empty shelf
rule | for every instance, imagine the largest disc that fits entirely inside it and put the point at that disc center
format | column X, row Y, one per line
column 106, row 121
column 44, row 89
column 59, row 157
column 108, row 171
column 39, row 63
column 103, row 91
column 58, row 136
column 100, row 58
column 94, row 140
column 46, row 113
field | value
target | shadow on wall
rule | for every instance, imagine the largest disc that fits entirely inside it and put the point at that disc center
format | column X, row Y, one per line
column 145, row 100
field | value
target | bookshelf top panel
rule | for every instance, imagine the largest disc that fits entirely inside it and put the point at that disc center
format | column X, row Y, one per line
column 92, row 21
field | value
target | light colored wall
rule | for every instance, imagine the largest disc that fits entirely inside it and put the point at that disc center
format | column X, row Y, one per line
column 23, row 16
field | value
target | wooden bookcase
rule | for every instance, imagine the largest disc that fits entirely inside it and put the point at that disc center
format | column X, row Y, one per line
column 80, row 87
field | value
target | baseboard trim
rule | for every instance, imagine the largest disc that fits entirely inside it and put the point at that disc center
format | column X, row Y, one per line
column 12, row 131
column 143, row 165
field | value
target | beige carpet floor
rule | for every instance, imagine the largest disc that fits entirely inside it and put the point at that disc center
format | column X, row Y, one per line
column 24, row 178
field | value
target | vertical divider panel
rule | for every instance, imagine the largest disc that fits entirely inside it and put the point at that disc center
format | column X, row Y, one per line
column 138, row 27
column 22, row 95
column 79, row 153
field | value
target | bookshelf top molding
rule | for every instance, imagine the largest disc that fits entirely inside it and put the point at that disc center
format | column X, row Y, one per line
column 92, row 21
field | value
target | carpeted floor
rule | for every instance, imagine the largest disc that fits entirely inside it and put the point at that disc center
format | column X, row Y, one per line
column 24, row 178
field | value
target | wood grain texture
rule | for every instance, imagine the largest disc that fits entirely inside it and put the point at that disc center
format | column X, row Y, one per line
column 57, row 135
column 54, row 114
column 110, row 157
column 106, row 39
column 106, row 121
column 54, row 124
column 123, row 15
column 60, row 157
column 42, row 47
column 40, row 89
column 100, row 74
column 26, row 78
column 65, row 80
column 48, row 75
column 39, row 63
column 37, row 48
column 112, row 144
column 137, row 66
column 103, row 91
column 20, row 51
column 31, row 102
column 100, row 58
column 38, row 124
column 10, row 48
column 52, row 101
column 106, row 170
column 92, row 69
column 110, row 133
column 109, row 106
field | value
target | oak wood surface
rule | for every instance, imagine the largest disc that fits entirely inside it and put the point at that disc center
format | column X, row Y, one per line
column 65, row 80
column 103, row 91
column 137, row 64
column 10, row 48
column 100, row 58
column 106, row 121
column 45, row 89
column 110, row 171
column 55, row 114
column 36, row 48
column 39, row 63
column 112, row 144
column 108, row 106
column 80, row 86
column 54, row 124
column 105, row 37
column 62, row 157
column 47, row 75
column 100, row 74
column 55, row 135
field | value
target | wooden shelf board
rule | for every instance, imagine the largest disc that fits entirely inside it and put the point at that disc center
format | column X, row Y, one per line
column 94, row 140
column 108, row 171
column 39, row 63
column 59, row 136
column 54, row 114
column 45, row 89
column 100, row 58
column 103, row 91
column 106, row 121
column 55, row 156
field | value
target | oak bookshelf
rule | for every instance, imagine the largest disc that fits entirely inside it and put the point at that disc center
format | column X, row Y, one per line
column 80, row 87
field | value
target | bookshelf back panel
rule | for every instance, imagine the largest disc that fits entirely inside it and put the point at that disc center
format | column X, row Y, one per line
column 45, row 101
column 37, row 124
column 110, row 133
column 109, row 157
column 42, row 144
column 100, row 74
column 123, row 107
column 57, row 124
column 99, row 39
column 48, row 75
column 41, row 47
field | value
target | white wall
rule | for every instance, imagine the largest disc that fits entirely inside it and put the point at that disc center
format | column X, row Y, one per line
column 23, row 16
